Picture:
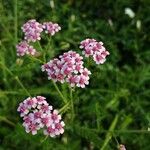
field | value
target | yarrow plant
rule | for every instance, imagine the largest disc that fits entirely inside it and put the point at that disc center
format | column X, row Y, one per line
column 68, row 68
column 38, row 114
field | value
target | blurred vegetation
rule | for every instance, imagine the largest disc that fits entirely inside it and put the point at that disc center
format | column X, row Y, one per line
column 114, row 107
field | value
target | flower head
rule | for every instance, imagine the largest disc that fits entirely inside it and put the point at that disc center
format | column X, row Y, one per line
column 32, row 30
column 51, row 28
column 95, row 49
column 68, row 68
column 38, row 114
column 24, row 48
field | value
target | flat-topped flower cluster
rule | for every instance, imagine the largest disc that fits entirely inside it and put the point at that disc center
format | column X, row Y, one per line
column 24, row 48
column 32, row 30
column 68, row 68
column 95, row 49
column 38, row 114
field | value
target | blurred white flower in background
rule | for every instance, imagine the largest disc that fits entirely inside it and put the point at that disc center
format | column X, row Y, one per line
column 52, row 5
column 73, row 17
column 129, row 12
column 110, row 22
column 138, row 24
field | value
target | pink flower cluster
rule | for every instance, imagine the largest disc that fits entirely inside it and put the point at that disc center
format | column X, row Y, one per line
column 96, row 49
column 24, row 48
column 51, row 27
column 38, row 114
column 32, row 30
column 68, row 68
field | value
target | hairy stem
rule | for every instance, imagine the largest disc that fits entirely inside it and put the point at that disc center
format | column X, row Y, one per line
column 49, row 43
column 16, row 20
column 72, row 104
column 36, row 59
column 7, row 121
column 46, row 51
column 59, row 92
column 64, row 108
column 17, row 79
column 23, row 87
column 40, row 47
column 109, row 134
column 44, row 139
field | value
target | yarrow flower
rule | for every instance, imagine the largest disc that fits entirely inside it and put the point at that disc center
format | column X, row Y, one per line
column 38, row 114
column 32, row 30
column 95, row 49
column 51, row 28
column 24, row 48
column 68, row 68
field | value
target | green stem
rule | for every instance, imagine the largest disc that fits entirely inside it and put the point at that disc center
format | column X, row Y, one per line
column 44, row 139
column 23, row 87
column 123, row 131
column 44, row 57
column 7, row 121
column 2, row 58
column 130, row 131
column 40, row 47
column 33, row 58
column 49, row 42
column 59, row 92
column 88, row 61
column 17, row 79
column 45, row 52
column 97, row 114
column 72, row 104
column 109, row 134
column 16, row 20
column 64, row 108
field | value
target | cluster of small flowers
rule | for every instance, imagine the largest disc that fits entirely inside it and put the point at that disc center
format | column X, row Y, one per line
column 68, row 68
column 38, row 114
column 51, row 27
column 32, row 30
column 24, row 48
column 96, row 49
